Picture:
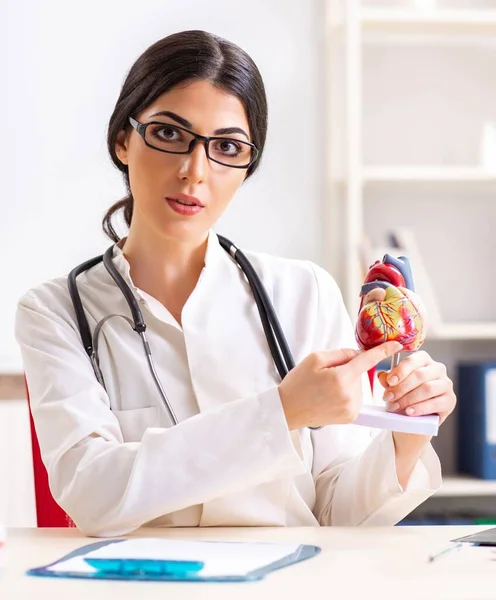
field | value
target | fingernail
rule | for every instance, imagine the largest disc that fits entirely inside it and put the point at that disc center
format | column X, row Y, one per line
column 394, row 406
column 388, row 397
column 410, row 411
column 393, row 380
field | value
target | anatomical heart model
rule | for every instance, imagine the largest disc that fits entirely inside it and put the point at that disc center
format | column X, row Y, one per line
column 389, row 308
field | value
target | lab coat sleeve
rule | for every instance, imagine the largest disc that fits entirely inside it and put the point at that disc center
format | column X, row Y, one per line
column 111, row 487
column 354, row 466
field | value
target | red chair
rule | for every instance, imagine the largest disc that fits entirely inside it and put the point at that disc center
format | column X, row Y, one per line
column 48, row 512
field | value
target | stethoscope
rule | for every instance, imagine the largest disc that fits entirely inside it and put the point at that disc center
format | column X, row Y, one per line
column 276, row 340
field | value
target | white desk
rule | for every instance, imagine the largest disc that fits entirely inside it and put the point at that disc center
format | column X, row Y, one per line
column 364, row 563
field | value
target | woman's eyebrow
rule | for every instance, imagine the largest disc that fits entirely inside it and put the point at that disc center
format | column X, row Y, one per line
column 228, row 130
column 177, row 118
column 185, row 123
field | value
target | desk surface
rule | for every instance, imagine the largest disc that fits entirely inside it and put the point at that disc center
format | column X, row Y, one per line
column 365, row 563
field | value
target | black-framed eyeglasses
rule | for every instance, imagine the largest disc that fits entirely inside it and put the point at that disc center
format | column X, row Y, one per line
column 166, row 137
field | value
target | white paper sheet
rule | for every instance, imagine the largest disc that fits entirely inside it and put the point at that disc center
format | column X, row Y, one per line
column 220, row 558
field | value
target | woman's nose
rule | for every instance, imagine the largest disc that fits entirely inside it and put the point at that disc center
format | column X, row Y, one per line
column 194, row 166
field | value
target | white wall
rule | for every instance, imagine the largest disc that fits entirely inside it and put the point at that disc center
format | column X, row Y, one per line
column 63, row 63
column 17, row 506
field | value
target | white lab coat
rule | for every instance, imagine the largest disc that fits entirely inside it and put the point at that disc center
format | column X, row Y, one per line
column 113, row 459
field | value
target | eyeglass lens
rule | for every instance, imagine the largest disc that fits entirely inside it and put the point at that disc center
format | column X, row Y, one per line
column 169, row 138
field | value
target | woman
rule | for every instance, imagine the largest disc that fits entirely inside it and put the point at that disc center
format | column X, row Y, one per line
column 242, row 452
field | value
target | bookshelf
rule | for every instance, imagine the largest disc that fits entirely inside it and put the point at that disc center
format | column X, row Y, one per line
column 460, row 500
column 350, row 179
column 427, row 174
column 361, row 179
column 464, row 331
column 435, row 21
column 459, row 486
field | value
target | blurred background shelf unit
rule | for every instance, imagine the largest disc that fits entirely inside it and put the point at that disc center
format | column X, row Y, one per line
column 466, row 486
column 438, row 21
column 463, row 500
column 410, row 96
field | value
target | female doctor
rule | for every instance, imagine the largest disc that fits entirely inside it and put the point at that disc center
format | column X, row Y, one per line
column 188, row 128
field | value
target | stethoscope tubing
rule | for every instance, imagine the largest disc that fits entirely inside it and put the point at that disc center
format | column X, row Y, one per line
column 278, row 345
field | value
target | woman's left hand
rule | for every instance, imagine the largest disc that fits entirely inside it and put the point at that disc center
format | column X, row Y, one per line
column 419, row 386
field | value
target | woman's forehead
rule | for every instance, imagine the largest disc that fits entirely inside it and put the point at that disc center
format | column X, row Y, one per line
column 202, row 104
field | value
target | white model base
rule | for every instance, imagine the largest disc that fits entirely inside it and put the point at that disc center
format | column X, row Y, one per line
column 378, row 417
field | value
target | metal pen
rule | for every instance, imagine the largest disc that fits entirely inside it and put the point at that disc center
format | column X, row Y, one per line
column 445, row 551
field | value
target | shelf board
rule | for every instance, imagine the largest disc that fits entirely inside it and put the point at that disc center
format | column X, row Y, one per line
column 466, row 486
column 464, row 331
column 437, row 21
column 427, row 174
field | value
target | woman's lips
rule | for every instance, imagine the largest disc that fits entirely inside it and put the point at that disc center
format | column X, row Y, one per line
column 184, row 204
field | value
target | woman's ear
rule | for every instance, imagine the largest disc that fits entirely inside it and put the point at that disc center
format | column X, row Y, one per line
column 121, row 146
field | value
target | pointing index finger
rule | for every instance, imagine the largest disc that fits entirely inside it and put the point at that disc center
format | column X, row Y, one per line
column 370, row 358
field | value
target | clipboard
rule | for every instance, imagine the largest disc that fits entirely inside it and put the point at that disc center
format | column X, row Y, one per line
column 175, row 560
column 486, row 537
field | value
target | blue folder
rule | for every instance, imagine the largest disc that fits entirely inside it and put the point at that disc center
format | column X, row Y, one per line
column 477, row 419
column 151, row 569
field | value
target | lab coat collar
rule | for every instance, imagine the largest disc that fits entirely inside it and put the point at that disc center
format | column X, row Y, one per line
column 214, row 253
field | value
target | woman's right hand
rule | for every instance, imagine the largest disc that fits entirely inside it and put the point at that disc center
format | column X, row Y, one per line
column 326, row 387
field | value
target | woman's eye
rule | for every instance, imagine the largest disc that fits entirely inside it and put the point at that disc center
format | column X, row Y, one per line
column 164, row 134
column 229, row 147
column 168, row 133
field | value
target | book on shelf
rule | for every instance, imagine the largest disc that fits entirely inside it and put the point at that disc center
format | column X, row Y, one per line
column 476, row 439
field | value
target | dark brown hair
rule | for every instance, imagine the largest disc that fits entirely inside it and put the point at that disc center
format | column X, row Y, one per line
column 170, row 61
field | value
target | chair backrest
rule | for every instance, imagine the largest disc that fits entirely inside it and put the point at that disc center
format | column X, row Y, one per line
column 48, row 512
